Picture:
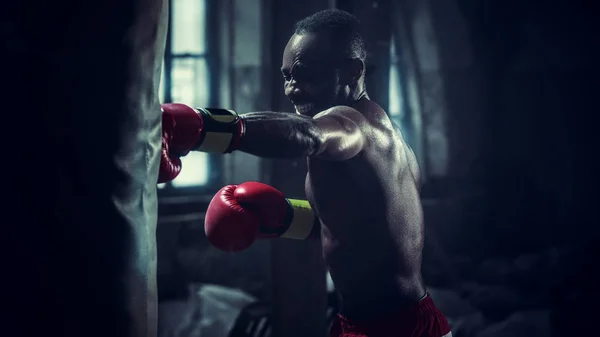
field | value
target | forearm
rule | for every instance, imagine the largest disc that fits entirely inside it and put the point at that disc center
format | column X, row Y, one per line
column 280, row 135
column 331, row 135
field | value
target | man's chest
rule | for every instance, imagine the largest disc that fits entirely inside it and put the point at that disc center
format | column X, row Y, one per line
column 328, row 195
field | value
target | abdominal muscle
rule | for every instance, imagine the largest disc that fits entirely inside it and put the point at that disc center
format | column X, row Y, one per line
column 367, row 265
column 368, row 275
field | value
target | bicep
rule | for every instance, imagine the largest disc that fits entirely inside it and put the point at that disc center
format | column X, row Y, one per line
column 341, row 134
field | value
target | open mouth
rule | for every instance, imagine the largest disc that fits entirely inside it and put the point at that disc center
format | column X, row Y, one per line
column 304, row 108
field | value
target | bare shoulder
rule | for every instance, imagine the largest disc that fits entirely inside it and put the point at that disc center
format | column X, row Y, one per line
column 367, row 115
column 389, row 135
column 368, row 107
column 341, row 132
column 343, row 112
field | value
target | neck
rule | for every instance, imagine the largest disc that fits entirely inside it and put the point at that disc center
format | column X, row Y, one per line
column 356, row 92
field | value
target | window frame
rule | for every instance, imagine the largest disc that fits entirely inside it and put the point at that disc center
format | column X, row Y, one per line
column 396, row 116
column 212, row 59
column 402, row 117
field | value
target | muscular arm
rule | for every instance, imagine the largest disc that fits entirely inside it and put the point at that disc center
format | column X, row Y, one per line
column 332, row 135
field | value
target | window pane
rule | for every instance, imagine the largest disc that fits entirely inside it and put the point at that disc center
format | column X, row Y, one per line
column 396, row 107
column 194, row 172
column 395, row 92
column 408, row 133
column 188, row 29
column 189, row 80
column 190, row 86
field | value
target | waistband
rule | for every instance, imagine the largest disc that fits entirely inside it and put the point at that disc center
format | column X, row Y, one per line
column 404, row 316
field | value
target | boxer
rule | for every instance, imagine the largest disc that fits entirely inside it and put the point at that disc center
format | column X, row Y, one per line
column 362, row 185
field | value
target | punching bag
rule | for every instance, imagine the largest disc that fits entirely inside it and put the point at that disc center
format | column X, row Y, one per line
column 81, row 137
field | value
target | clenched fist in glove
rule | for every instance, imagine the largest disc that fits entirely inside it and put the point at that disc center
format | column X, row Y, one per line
column 239, row 214
column 186, row 129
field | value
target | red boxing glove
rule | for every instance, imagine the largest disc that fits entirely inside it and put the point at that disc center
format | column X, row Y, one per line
column 227, row 224
column 268, row 203
column 186, row 129
column 181, row 132
column 239, row 214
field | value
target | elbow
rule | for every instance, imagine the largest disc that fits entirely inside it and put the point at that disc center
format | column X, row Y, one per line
column 315, row 141
column 304, row 140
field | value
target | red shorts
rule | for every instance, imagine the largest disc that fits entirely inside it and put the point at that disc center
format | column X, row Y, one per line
column 421, row 319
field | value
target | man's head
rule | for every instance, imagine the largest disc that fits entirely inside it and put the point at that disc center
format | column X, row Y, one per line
column 324, row 61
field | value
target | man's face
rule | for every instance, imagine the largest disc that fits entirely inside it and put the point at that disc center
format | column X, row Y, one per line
column 310, row 73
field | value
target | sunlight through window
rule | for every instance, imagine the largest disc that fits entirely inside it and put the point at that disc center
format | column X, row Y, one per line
column 189, row 26
column 190, row 77
column 195, row 170
column 395, row 104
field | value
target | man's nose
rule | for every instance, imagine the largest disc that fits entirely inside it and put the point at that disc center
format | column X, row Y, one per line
column 292, row 89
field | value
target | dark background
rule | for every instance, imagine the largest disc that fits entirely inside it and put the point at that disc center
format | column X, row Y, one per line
column 497, row 98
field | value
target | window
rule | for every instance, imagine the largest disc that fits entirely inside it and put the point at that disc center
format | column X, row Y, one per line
column 397, row 106
column 186, row 79
column 396, row 109
column 400, row 110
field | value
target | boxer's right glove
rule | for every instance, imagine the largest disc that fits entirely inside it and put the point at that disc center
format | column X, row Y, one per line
column 186, row 129
column 239, row 214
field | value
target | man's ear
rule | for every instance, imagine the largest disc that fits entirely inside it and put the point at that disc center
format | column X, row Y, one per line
column 353, row 71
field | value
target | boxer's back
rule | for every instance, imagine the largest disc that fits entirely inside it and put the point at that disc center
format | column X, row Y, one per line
column 371, row 217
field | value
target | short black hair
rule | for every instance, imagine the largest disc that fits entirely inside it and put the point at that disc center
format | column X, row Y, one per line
column 343, row 26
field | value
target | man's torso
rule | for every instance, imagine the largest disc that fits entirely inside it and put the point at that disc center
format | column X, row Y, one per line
column 371, row 216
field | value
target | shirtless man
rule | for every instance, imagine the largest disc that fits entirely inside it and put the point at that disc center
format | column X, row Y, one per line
column 362, row 184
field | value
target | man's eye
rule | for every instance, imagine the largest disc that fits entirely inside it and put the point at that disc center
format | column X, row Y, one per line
column 305, row 76
column 286, row 77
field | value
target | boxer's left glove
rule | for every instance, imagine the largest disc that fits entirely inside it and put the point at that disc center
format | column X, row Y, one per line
column 186, row 129
column 240, row 214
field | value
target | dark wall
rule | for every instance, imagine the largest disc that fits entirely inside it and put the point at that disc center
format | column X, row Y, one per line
column 541, row 77
column 504, row 94
column 507, row 92
column 527, row 150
